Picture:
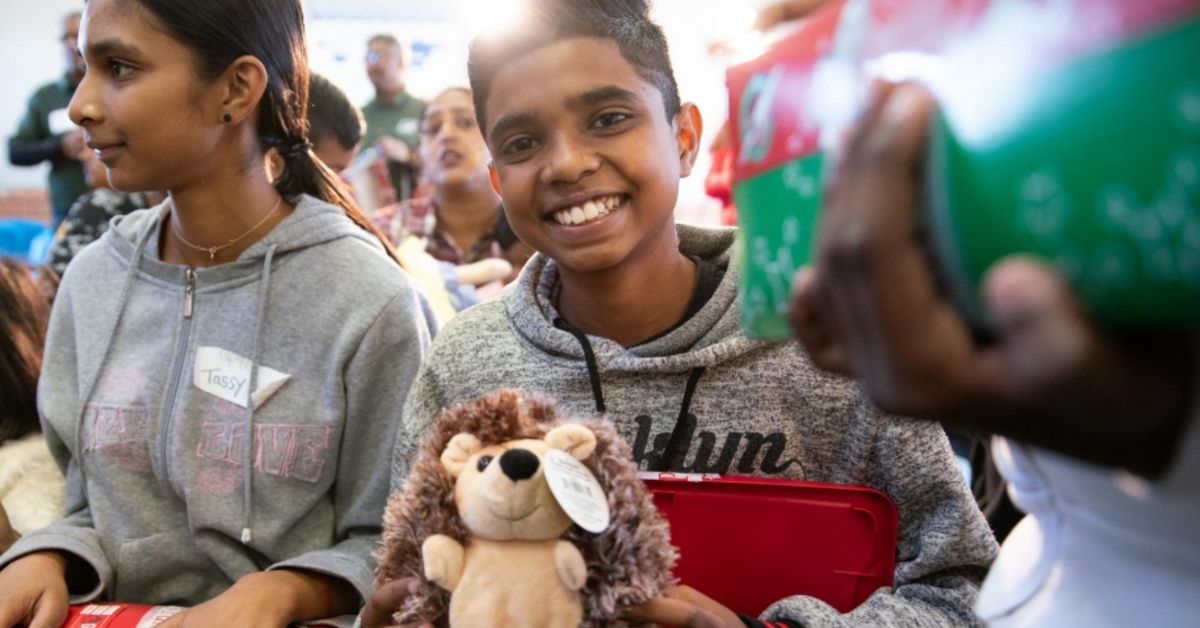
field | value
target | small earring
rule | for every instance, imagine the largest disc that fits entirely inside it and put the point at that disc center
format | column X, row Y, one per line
column 227, row 118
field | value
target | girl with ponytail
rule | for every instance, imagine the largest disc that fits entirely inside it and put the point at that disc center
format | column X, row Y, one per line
column 224, row 373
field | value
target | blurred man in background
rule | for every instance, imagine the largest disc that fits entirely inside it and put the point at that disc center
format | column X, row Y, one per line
column 393, row 116
column 45, row 133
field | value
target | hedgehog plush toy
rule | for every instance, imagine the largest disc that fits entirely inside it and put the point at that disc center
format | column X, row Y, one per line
column 477, row 525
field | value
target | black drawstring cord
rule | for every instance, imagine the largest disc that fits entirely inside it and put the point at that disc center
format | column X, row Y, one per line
column 677, row 446
column 590, row 357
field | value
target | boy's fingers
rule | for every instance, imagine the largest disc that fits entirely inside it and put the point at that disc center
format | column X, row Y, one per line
column 812, row 327
column 883, row 160
column 386, row 600
column 48, row 615
column 1044, row 331
column 873, row 281
column 674, row 612
column 9, row 615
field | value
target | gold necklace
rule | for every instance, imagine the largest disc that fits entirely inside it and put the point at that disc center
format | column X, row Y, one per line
column 212, row 250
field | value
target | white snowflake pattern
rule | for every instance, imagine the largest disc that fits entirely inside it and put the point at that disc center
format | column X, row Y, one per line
column 1044, row 207
column 1187, row 107
column 777, row 266
column 1167, row 230
column 1118, row 204
column 1184, row 169
column 800, row 182
column 1112, row 268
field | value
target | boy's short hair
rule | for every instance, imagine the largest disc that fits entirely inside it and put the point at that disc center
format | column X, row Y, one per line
column 385, row 38
column 331, row 114
column 624, row 22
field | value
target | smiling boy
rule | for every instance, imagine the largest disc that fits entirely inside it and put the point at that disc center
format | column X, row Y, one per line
column 624, row 312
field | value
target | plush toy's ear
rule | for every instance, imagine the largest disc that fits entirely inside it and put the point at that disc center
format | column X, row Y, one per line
column 458, row 451
column 572, row 438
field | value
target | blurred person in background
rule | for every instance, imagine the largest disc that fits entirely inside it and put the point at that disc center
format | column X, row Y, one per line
column 91, row 213
column 45, row 132
column 31, row 486
column 393, row 116
column 461, row 222
column 335, row 125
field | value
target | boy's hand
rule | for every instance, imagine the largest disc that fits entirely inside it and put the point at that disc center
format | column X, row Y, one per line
column 385, row 601
column 269, row 599
column 685, row 607
column 1051, row 378
column 33, row 591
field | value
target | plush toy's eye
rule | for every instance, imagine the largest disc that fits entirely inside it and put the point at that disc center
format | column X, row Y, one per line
column 484, row 461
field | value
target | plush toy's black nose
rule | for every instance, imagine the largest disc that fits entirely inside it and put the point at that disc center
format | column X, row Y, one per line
column 519, row 464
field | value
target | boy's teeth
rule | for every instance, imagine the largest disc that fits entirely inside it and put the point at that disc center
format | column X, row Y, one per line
column 586, row 212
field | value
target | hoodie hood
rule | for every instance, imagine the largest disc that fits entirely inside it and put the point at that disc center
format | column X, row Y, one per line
column 711, row 336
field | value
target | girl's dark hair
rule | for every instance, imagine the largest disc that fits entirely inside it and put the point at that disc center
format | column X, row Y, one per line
column 626, row 23
column 24, row 312
column 331, row 114
column 218, row 32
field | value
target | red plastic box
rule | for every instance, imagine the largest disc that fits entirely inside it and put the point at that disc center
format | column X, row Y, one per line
column 114, row 615
column 749, row 542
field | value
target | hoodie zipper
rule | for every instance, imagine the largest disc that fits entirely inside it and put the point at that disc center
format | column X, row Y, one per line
column 164, row 421
column 189, row 293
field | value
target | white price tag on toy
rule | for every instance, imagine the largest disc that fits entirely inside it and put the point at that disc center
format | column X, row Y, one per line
column 576, row 490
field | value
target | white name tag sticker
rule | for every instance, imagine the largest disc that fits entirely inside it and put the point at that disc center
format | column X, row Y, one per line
column 59, row 122
column 227, row 375
column 577, row 490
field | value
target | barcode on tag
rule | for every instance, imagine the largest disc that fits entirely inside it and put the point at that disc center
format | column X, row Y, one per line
column 578, row 487
column 576, row 491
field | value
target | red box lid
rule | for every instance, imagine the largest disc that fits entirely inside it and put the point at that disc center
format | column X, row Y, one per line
column 749, row 542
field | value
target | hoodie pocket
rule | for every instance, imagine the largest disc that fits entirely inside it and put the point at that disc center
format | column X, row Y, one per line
column 166, row 568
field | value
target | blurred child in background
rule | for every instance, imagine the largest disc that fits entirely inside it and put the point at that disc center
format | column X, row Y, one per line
column 31, row 486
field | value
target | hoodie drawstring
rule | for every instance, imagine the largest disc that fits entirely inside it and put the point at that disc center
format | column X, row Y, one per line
column 248, row 477
column 590, row 357
column 122, row 300
column 676, row 447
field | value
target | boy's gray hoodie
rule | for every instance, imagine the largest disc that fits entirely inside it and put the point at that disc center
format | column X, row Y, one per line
column 183, row 488
column 750, row 407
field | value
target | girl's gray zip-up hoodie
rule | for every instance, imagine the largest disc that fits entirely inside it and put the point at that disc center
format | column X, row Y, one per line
column 180, row 480
column 747, row 408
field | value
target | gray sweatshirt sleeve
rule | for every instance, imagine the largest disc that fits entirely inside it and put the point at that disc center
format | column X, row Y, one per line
column 422, row 407
column 75, row 533
column 944, row 548
column 377, row 380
